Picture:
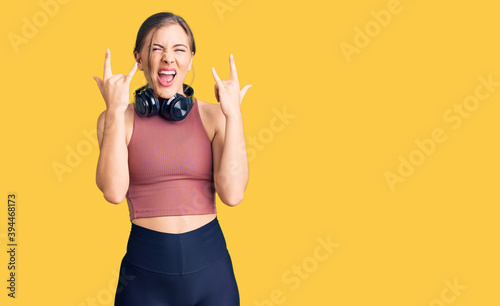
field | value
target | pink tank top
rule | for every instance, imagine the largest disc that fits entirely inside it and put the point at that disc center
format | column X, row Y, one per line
column 170, row 167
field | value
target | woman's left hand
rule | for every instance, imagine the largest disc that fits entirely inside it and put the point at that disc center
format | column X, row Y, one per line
column 228, row 93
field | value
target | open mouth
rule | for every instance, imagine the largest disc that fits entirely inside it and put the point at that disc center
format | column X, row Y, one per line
column 166, row 77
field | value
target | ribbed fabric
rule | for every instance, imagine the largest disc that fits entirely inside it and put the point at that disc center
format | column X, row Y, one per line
column 170, row 167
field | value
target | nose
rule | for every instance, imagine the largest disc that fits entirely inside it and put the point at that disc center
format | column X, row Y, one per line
column 168, row 57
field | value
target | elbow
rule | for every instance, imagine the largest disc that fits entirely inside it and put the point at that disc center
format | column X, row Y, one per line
column 233, row 200
column 230, row 195
column 113, row 197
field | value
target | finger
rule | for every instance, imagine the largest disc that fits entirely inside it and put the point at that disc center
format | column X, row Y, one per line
column 99, row 83
column 115, row 77
column 233, row 75
column 244, row 91
column 97, row 79
column 131, row 73
column 216, row 77
column 107, row 65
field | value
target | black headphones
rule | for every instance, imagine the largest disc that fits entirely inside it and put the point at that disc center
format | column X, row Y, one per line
column 176, row 108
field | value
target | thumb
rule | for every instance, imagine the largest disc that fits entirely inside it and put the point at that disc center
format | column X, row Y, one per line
column 99, row 82
column 243, row 91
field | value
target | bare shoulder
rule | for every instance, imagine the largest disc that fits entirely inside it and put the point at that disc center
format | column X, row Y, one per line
column 211, row 108
column 212, row 117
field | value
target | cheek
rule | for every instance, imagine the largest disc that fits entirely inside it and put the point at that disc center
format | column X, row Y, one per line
column 183, row 60
column 153, row 67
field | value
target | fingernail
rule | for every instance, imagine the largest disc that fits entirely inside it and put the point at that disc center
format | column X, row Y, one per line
column 231, row 55
column 107, row 50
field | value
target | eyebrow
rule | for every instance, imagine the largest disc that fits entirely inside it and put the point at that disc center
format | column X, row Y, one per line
column 173, row 45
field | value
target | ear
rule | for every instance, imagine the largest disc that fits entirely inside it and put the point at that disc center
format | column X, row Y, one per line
column 191, row 61
column 138, row 60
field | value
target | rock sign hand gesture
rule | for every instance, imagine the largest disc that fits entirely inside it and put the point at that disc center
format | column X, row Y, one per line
column 115, row 88
column 228, row 93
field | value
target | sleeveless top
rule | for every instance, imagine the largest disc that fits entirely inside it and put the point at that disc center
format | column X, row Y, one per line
column 170, row 167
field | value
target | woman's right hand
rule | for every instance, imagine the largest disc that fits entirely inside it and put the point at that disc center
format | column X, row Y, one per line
column 115, row 88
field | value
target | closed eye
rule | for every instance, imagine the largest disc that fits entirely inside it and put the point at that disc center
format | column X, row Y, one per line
column 159, row 49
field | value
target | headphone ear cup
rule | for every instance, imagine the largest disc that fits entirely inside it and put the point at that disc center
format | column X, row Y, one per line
column 146, row 104
column 140, row 105
column 176, row 108
column 152, row 102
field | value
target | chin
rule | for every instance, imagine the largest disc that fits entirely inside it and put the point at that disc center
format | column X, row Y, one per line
column 166, row 93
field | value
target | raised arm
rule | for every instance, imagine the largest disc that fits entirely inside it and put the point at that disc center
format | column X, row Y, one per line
column 229, row 149
column 112, row 175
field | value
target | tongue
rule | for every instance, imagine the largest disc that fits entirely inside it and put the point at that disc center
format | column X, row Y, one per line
column 166, row 77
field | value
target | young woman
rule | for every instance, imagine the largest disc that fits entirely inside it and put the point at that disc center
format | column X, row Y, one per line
column 168, row 166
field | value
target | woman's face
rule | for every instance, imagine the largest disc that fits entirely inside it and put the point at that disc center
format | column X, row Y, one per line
column 170, row 51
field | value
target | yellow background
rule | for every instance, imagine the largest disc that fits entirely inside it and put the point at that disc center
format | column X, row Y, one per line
column 318, row 176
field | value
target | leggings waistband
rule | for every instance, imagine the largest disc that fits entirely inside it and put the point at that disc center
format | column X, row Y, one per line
column 176, row 254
